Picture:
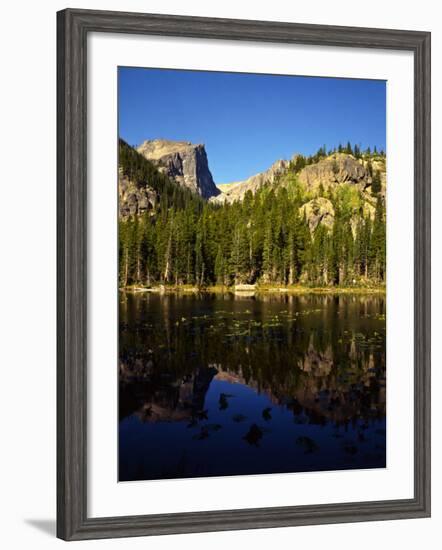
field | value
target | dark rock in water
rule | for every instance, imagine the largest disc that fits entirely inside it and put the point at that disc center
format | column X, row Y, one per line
column 307, row 444
column 201, row 415
column 254, row 435
column 213, row 427
column 350, row 449
column 295, row 406
column 266, row 414
column 146, row 413
column 203, row 434
column 223, row 403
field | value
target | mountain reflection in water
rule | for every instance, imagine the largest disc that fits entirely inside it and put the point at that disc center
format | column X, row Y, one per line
column 217, row 384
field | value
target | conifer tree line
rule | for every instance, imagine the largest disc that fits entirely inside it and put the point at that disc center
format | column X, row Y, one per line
column 265, row 238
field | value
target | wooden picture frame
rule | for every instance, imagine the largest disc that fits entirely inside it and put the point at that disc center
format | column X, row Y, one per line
column 73, row 27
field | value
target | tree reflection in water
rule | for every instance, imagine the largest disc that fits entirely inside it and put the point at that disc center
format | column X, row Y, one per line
column 205, row 380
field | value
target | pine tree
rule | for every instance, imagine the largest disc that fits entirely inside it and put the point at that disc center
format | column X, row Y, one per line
column 267, row 255
column 376, row 185
column 123, row 253
column 220, row 267
column 185, row 240
column 199, row 257
column 239, row 265
column 377, row 256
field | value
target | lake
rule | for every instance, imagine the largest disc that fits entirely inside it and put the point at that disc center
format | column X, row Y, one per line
column 224, row 384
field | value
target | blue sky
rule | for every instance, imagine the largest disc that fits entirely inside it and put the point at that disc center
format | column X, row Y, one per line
column 248, row 121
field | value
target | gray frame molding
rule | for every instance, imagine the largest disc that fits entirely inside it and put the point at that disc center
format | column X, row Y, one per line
column 73, row 27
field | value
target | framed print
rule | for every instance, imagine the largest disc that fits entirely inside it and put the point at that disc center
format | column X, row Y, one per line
column 243, row 274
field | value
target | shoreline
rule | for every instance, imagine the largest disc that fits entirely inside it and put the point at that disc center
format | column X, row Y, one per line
column 252, row 290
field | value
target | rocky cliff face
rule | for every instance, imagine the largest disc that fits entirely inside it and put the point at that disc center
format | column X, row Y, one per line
column 318, row 211
column 134, row 198
column 183, row 162
column 186, row 164
column 334, row 170
column 236, row 191
column 316, row 180
column 329, row 172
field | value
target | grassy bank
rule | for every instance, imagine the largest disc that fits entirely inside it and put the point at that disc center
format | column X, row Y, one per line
column 257, row 289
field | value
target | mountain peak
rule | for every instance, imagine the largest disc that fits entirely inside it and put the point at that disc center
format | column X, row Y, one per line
column 329, row 171
column 236, row 190
column 182, row 161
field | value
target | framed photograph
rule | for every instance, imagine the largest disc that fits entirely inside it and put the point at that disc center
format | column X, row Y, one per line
column 243, row 274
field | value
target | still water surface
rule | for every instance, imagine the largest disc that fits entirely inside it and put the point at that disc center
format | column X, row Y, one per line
column 214, row 384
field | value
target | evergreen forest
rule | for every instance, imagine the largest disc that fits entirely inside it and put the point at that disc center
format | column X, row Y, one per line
column 264, row 239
